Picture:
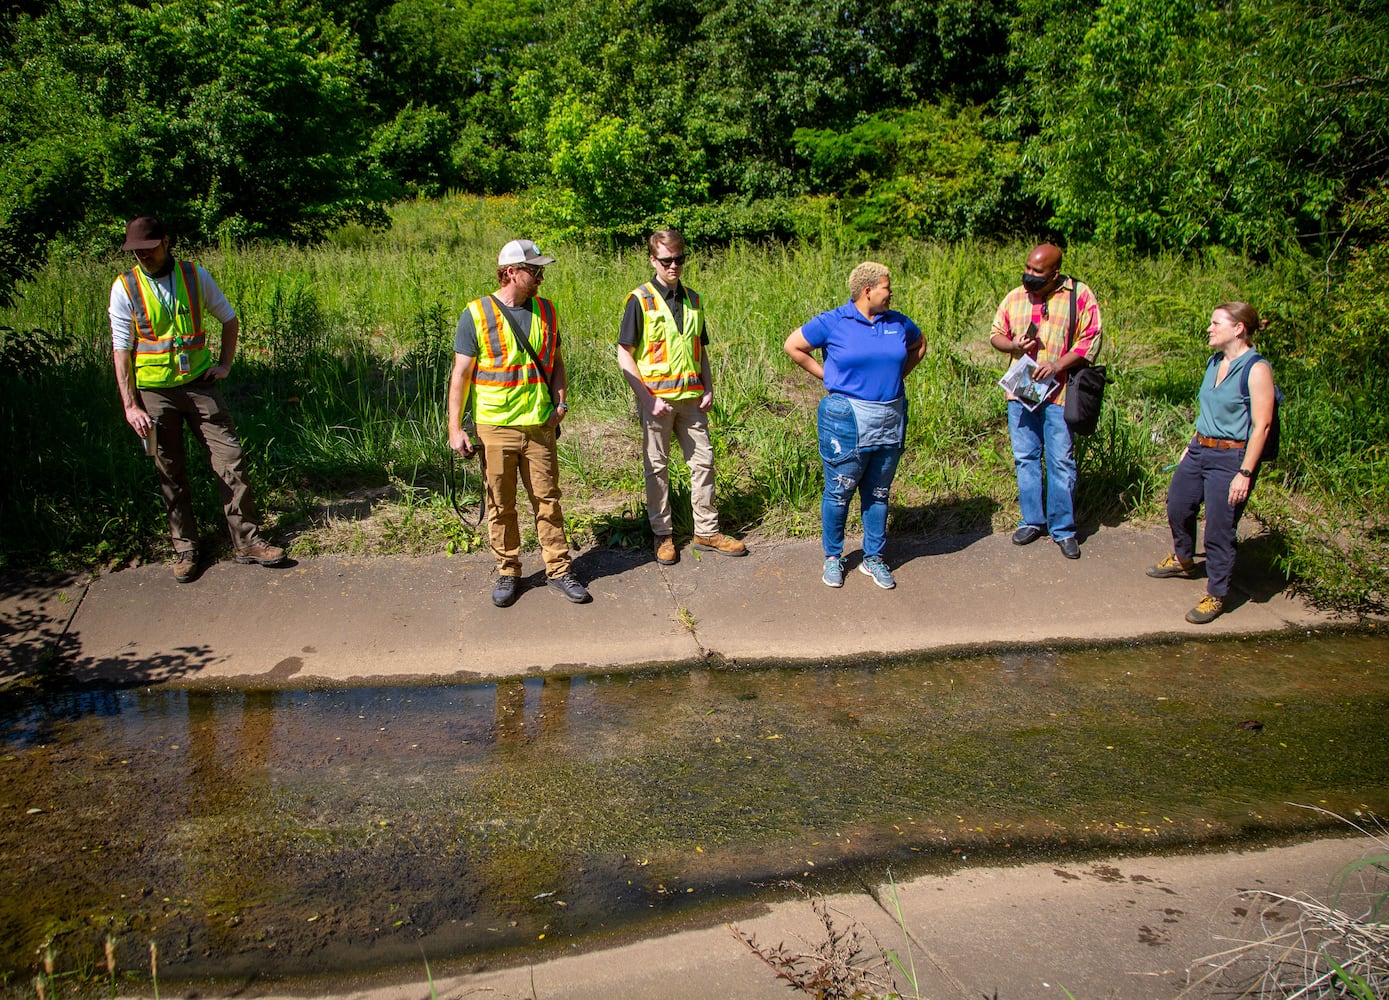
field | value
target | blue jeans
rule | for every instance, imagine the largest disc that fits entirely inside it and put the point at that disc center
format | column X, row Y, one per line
column 1030, row 431
column 849, row 469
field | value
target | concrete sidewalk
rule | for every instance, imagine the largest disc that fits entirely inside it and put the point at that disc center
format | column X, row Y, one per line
column 360, row 620
column 1128, row 927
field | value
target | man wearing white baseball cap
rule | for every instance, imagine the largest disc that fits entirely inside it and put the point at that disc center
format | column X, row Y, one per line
column 507, row 363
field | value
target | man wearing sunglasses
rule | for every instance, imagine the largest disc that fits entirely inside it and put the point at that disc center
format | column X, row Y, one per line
column 507, row 363
column 1037, row 319
column 662, row 349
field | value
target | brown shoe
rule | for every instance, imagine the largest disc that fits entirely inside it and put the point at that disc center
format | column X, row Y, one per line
column 666, row 553
column 261, row 552
column 186, row 566
column 721, row 544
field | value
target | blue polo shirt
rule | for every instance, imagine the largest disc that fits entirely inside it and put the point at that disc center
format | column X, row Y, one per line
column 863, row 359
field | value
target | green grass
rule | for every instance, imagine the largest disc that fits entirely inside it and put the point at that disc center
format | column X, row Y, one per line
column 339, row 386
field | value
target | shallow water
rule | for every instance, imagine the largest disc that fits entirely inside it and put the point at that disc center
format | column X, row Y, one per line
column 289, row 833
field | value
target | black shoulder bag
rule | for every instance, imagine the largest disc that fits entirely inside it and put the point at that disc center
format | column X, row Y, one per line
column 1084, row 386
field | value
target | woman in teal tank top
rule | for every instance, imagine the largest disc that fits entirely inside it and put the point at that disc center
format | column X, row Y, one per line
column 1219, row 466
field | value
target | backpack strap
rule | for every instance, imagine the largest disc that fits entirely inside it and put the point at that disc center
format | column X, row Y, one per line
column 1244, row 377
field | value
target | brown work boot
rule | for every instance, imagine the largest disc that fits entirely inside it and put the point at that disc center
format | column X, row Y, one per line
column 186, row 566
column 721, row 544
column 666, row 553
column 261, row 552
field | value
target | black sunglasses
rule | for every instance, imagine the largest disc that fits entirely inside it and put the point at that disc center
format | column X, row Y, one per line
column 668, row 261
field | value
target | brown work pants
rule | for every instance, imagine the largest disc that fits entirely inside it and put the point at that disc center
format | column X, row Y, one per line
column 528, row 454
column 201, row 407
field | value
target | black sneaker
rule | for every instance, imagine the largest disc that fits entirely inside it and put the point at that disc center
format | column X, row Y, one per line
column 505, row 592
column 570, row 587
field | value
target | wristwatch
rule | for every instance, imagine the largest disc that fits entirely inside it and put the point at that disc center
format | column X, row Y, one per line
column 1246, row 473
column 563, row 408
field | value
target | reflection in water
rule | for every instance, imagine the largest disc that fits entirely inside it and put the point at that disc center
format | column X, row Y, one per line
column 293, row 832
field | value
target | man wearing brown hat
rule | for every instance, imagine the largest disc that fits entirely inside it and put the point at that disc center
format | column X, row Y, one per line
column 167, row 377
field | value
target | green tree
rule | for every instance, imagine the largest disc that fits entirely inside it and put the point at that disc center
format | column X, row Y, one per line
column 1179, row 123
column 719, row 87
column 932, row 171
column 237, row 117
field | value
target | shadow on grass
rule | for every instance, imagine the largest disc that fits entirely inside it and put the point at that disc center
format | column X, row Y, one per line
column 1258, row 572
column 955, row 522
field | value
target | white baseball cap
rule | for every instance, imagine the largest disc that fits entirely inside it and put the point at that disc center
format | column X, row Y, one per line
column 522, row 252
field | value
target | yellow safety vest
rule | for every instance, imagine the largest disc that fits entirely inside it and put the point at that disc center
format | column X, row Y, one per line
column 508, row 388
column 163, row 333
column 669, row 359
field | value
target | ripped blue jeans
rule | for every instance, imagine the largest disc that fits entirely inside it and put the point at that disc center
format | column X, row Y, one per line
column 849, row 469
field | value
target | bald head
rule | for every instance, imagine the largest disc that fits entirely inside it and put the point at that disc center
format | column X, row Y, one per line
column 1045, row 256
column 1043, row 271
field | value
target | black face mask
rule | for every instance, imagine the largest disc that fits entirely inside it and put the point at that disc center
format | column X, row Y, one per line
column 1034, row 283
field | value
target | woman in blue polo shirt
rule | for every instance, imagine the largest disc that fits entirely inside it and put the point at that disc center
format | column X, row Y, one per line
column 868, row 349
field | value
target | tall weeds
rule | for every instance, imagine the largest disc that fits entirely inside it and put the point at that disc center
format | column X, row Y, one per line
column 339, row 385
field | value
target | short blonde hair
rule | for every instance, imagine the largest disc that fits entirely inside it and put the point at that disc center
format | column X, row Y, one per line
column 865, row 276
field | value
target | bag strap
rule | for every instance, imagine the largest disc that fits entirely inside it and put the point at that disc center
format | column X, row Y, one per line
column 1071, row 324
column 525, row 342
column 1073, row 319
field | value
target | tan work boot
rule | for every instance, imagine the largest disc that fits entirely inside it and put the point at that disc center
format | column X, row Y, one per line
column 666, row 553
column 186, row 566
column 721, row 544
column 261, row 552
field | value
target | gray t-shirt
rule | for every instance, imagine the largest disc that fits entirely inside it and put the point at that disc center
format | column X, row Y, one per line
column 465, row 337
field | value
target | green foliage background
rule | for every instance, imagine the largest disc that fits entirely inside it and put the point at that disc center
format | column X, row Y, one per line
column 1147, row 124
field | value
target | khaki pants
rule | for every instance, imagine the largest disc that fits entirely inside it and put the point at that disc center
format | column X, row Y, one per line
column 690, row 427
column 527, row 453
column 200, row 405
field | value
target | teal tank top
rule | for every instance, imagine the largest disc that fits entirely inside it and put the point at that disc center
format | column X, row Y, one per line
column 1224, row 413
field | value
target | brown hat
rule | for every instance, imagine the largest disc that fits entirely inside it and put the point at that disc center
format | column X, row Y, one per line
column 143, row 233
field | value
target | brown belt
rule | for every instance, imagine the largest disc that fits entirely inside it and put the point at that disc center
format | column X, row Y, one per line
column 1223, row 444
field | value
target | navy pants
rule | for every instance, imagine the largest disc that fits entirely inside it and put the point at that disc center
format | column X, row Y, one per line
column 1204, row 476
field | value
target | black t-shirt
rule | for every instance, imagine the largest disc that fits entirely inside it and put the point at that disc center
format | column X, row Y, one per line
column 634, row 322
